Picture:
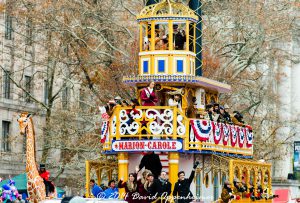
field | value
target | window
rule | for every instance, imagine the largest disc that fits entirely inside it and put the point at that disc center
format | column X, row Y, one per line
column 179, row 65
column 6, row 85
column 28, row 88
column 5, row 136
column 206, row 180
column 216, row 187
column 65, row 96
column 28, row 36
column 223, row 179
column 46, row 93
column 198, row 185
column 82, row 99
column 8, row 26
column 145, row 67
column 161, row 66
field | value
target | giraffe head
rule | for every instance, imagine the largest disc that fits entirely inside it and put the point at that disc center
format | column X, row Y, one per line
column 23, row 122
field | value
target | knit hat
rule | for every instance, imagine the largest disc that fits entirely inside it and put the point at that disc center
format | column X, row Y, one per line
column 118, row 98
column 77, row 199
column 227, row 182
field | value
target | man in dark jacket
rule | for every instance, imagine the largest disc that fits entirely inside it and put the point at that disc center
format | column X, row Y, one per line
column 182, row 186
column 165, row 186
column 151, row 162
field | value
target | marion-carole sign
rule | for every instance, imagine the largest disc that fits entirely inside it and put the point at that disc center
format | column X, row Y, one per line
column 146, row 145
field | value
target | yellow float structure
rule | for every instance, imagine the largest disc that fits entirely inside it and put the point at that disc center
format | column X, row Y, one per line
column 180, row 134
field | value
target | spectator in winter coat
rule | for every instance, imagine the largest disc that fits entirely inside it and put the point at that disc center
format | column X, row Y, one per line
column 165, row 186
column 227, row 194
column 211, row 115
column 151, row 162
column 182, row 190
column 142, row 196
column 224, row 117
column 46, row 175
column 237, row 119
column 96, row 190
column 130, row 187
column 148, row 95
column 111, row 192
column 153, row 188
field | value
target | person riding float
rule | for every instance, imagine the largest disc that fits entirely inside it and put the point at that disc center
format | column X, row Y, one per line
column 49, row 186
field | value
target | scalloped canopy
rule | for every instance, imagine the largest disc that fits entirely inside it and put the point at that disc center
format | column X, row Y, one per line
column 167, row 9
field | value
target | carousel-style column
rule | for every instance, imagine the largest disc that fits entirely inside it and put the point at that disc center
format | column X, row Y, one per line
column 231, row 171
column 173, row 167
column 122, row 170
column 98, row 171
column 87, row 181
column 255, row 181
column 247, row 179
column 269, row 183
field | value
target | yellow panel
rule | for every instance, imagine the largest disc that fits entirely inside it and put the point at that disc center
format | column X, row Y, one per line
column 87, row 177
column 152, row 64
column 170, row 35
column 141, row 36
column 187, row 35
column 140, row 66
column 152, row 36
column 173, row 167
column 170, row 65
column 122, row 169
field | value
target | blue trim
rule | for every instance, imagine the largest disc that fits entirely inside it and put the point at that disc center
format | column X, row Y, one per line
column 179, row 65
column 161, row 64
column 154, row 150
column 185, row 151
column 145, row 66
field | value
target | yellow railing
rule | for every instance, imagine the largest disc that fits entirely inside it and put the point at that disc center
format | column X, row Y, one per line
column 165, row 122
column 248, row 200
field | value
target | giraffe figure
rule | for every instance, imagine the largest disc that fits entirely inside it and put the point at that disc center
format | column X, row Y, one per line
column 35, row 184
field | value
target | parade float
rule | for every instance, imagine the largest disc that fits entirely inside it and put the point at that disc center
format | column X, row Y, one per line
column 178, row 134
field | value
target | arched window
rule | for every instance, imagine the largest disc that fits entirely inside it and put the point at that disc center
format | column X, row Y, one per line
column 222, row 178
column 216, row 187
column 198, row 185
column 206, row 180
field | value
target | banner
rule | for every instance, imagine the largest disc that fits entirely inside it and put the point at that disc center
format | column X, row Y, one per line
column 146, row 145
column 202, row 129
column 217, row 131
column 104, row 131
column 297, row 156
column 226, row 133
column 241, row 136
column 234, row 135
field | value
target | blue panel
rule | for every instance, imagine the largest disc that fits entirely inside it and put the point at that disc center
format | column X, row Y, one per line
column 179, row 66
column 161, row 66
column 145, row 67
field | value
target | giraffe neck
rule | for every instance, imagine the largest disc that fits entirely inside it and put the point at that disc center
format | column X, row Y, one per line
column 31, row 167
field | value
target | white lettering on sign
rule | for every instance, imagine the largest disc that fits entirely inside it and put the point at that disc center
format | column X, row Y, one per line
column 146, row 145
